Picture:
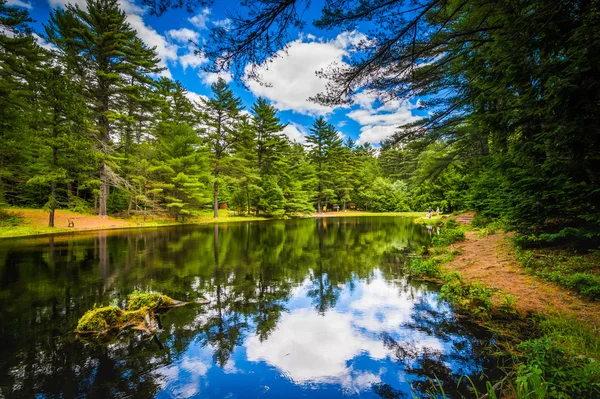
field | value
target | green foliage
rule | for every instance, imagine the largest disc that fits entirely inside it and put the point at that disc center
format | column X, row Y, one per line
column 426, row 267
column 576, row 272
column 549, row 371
column 387, row 196
column 474, row 296
column 448, row 236
column 10, row 219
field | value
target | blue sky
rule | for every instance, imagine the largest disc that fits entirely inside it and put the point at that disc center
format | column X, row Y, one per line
column 291, row 76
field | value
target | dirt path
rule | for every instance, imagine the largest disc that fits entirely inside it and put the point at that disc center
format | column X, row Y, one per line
column 492, row 261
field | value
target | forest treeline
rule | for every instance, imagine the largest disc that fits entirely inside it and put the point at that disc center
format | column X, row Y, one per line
column 510, row 88
column 90, row 125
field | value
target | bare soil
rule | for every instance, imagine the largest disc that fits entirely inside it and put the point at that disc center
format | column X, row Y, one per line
column 491, row 260
column 36, row 218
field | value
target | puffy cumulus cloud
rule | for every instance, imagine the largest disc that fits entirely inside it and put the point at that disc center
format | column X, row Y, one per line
column 209, row 78
column 309, row 347
column 199, row 20
column 295, row 132
column 195, row 97
column 379, row 120
column 191, row 59
column 289, row 78
column 313, row 348
column 183, row 35
column 18, row 3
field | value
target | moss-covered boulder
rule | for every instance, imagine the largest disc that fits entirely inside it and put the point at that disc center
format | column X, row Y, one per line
column 138, row 300
column 100, row 319
column 142, row 309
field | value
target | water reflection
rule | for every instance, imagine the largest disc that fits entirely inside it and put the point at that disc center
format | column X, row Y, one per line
column 297, row 308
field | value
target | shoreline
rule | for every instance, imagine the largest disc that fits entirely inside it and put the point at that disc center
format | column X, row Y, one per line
column 93, row 223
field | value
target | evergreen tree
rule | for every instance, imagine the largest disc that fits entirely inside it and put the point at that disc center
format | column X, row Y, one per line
column 269, row 140
column 20, row 60
column 101, row 47
column 324, row 144
column 222, row 122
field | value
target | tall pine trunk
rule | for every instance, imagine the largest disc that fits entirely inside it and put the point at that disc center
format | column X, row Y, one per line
column 216, row 198
column 52, row 205
column 103, row 191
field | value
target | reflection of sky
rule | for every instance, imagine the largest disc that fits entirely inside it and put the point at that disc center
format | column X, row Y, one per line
column 340, row 352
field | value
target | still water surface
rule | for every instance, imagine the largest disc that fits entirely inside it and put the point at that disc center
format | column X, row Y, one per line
column 300, row 308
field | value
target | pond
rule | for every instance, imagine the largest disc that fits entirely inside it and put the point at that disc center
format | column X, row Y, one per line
column 298, row 308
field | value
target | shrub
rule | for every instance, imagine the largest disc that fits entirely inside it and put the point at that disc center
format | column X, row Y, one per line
column 10, row 219
column 423, row 267
column 448, row 237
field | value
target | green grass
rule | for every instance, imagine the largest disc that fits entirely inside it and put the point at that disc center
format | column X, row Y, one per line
column 201, row 218
column 579, row 273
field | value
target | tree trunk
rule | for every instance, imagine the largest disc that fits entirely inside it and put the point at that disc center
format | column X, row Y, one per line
column 326, row 198
column 53, row 189
column 103, row 191
column 129, row 206
column 52, row 204
column 216, row 198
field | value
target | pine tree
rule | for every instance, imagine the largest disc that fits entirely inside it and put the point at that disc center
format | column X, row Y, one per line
column 324, row 144
column 60, row 128
column 99, row 45
column 269, row 140
column 222, row 122
column 20, row 59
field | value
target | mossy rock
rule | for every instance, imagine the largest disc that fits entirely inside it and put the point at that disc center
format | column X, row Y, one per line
column 142, row 306
column 138, row 300
column 100, row 319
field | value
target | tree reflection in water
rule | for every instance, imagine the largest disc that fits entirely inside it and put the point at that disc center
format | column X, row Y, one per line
column 296, row 307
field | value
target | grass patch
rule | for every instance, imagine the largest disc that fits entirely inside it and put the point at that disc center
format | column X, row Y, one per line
column 579, row 273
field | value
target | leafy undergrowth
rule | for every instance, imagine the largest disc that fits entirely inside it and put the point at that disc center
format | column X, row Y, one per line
column 10, row 219
column 553, row 357
column 141, row 307
column 563, row 361
column 578, row 272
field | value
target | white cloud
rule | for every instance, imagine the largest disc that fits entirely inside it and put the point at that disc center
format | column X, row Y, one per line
column 209, row 78
column 380, row 119
column 290, row 77
column 223, row 23
column 191, row 59
column 183, row 35
column 18, row 3
column 309, row 347
column 295, row 132
column 200, row 20
column 195, row 97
